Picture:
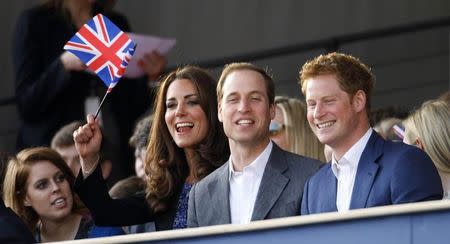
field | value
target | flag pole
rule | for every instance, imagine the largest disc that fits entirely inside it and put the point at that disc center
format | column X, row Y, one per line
column 101, row 103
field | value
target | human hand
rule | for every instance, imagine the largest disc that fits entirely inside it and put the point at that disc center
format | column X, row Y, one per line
column 72, row 62
column 153, row 64
column 88, row 139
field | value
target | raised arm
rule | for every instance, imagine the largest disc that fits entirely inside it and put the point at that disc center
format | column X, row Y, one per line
column 91, row 187
column 88, row 139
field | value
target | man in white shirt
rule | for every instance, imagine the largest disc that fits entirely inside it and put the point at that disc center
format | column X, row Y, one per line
column 260, row 180
column 365, row 170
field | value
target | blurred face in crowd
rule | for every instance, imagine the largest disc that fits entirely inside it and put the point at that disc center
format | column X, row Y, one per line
column 277, row 129
column 331, row 114
column 48, row 191
column 139, row 156
column 70, row 155
column 412, row 139
column 244, row 108
column 185, row 119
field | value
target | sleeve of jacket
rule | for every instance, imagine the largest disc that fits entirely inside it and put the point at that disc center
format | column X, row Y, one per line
column 39, row 78
column 107, row 211
column 415, row 178
column 304, row 205
column 12, row 228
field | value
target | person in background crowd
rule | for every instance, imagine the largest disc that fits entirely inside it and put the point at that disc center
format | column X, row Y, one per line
column 62, row 142
column 127, row 188
column 380, row 114
column 12, row 228
column 290, row 129
column 428, row 128
column 365, row 170
column 53, row 87
column 385, row 128
column 139, row 141
column 445, row 96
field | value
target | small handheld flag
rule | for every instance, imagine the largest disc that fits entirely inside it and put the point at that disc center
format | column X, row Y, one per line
column 123, row 66
column 104, row 48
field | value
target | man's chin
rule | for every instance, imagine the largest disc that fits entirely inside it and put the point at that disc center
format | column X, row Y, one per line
column 325, row 140
column 242, row 139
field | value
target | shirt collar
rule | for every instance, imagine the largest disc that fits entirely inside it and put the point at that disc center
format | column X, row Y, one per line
column 351, row 157
column 258, row 165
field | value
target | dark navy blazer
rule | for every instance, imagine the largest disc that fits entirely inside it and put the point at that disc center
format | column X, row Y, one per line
column 388, row 173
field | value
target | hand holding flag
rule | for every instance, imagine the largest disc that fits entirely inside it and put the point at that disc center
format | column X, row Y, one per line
column 104, row 48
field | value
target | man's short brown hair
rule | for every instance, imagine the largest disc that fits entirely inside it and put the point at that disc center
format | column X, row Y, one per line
column 350, row 72
column 230, row 68
column 64, row 136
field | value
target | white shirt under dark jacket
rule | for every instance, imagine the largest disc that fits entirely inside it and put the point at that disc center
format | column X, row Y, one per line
column 244, row 186
column 345, row 171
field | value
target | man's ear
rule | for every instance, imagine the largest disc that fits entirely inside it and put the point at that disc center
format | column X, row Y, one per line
column 419, row 143
column 219, row 111
column 359, row 100
column 272, row 110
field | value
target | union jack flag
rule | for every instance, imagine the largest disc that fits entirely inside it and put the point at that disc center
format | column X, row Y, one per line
column 104, row 48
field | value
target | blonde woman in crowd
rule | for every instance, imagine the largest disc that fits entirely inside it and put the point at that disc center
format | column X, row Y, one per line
column 290, row 129
column 429, row 129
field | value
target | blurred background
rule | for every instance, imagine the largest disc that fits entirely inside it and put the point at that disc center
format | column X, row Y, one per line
column 406, row 42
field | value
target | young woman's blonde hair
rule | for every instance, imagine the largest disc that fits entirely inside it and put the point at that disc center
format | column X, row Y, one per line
column 299, row 136
column 430, row 124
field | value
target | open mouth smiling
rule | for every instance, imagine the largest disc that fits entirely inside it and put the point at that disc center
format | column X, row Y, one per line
column 325, row 124
column 182, row 126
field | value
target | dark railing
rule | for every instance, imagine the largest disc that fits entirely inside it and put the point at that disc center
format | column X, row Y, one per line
column 329, row 44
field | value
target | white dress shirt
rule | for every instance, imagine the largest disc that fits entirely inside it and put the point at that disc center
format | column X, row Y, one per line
column 345, row 171
column 244, row 187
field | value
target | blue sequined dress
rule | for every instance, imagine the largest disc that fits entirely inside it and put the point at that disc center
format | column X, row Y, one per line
column 180, row 221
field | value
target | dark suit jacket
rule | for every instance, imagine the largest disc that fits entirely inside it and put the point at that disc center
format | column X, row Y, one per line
column 279, row 194
column 388, row 173
column 120, row 212
column 12, row 229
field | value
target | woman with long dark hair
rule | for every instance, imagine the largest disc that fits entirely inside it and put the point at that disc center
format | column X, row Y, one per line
column 187, row 142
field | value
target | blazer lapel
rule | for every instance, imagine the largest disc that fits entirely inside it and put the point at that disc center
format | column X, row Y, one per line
column 327, row 195
column 367, row 170
column 219, row 194
column 272, row 184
